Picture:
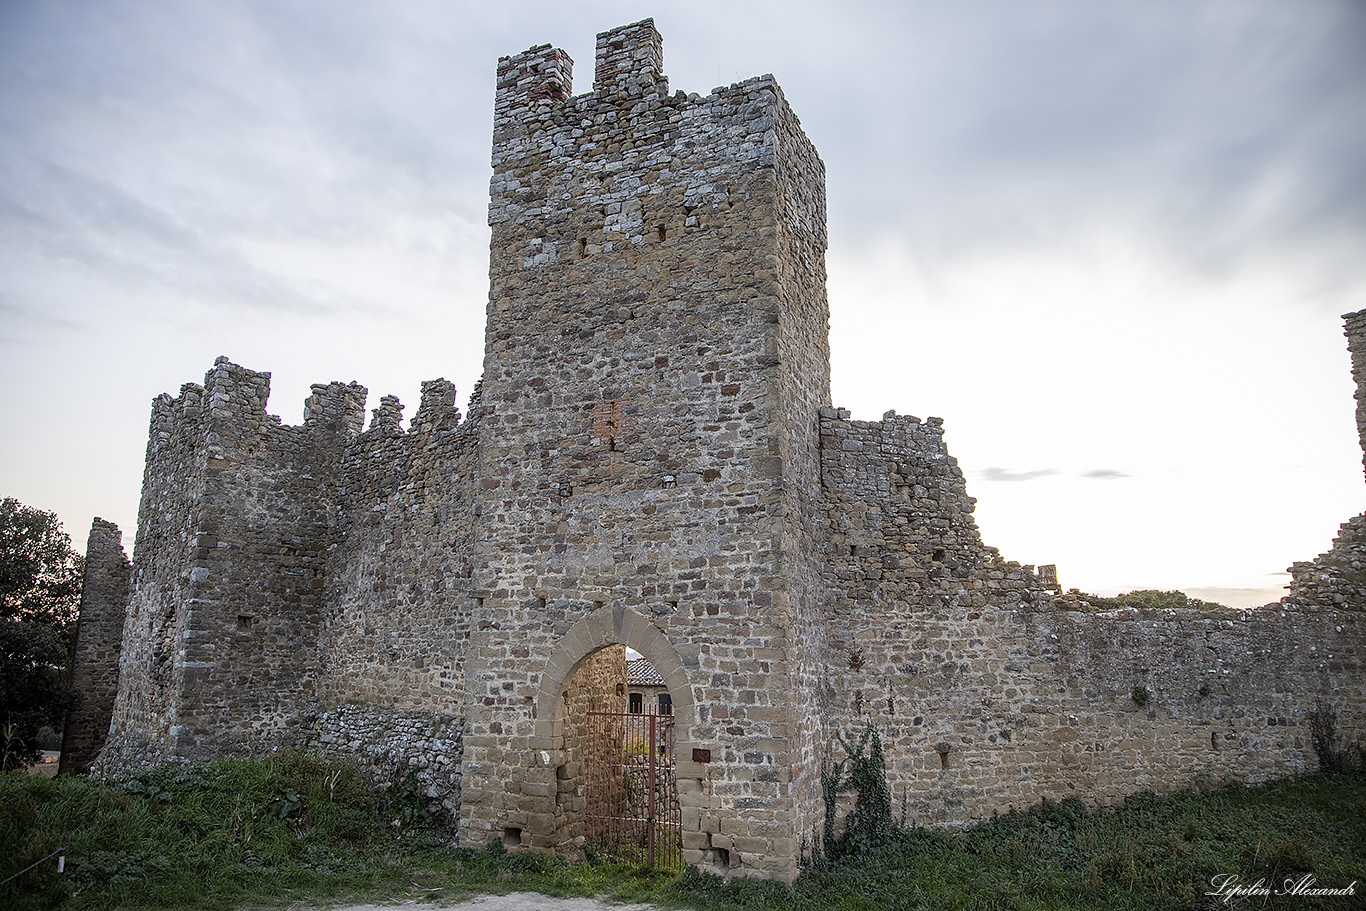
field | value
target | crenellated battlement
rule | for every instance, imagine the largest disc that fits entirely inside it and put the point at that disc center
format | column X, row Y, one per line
column 630, row 61
column 538, row 75
column 437, row 410
column 336, row 409
column 629, row 65
column 387, row 418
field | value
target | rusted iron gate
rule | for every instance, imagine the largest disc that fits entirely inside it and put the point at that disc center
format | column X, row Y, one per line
column 631, row 808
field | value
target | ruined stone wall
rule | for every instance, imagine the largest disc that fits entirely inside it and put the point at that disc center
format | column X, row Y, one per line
column 145, row 708
column 388, row 745
column 1355, row 330
column 99, row 639
column 635, row 450
column 398, row 601
column 228, row 579
column 1336, row 579
column 991, row 690
column 653, row 463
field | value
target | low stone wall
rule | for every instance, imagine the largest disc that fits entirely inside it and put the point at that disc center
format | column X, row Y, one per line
column 388, row 745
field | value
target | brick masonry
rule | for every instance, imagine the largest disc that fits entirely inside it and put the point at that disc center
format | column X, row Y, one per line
column 652, row 461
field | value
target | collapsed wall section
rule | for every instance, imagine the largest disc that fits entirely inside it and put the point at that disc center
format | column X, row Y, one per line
column 99, row 640
column 1355, row 330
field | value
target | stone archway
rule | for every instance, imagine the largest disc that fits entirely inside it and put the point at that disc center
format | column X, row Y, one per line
column 612, row 626
column 556, row 764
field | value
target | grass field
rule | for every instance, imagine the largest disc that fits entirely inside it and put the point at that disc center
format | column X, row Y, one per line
column 232, row 833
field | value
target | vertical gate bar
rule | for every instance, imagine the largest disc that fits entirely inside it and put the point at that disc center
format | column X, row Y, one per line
column 650, row 816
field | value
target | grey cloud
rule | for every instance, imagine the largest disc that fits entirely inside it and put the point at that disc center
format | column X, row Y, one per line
column 19, row 318
column 1105, row 474
column 142, row 143
column 76, row 217
column 1005, row 474
column 1216, row 134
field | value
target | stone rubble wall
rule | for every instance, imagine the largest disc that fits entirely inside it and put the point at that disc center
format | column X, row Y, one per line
column 992, row 690
column 1336, row 579
column 1355, row 330
column 388, row 745
column 99, row 639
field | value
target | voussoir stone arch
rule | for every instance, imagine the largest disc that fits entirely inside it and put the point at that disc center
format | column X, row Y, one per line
column 611, row 626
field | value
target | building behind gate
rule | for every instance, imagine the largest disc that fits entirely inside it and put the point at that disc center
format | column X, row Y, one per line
column 651, row 462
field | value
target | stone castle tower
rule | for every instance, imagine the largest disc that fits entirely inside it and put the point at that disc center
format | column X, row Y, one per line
column 651, row 462
column 656, row 353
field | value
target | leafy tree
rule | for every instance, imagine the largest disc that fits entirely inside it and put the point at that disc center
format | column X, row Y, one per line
column 33, row 687
column 40, row 575
column 40, row 592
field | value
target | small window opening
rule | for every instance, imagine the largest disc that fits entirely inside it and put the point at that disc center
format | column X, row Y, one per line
column 660, row 231
column 583, row 247
column 541, row 603
column 666, row 704
column 943, row 750
column 637, row 703
column 1213, row 741
column 938, row 556
column 512, row 837
column 244, row 622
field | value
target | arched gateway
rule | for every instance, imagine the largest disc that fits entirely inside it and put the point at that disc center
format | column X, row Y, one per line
column 615, row 772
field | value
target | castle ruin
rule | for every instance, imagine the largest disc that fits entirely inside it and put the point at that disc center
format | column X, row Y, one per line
column 651, row 461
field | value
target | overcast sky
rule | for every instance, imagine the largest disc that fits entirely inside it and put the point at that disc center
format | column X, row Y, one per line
column 1108, row 242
